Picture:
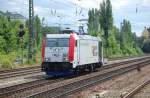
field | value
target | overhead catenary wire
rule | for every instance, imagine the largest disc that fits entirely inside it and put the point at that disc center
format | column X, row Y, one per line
column 54, row 12
column 70, row 5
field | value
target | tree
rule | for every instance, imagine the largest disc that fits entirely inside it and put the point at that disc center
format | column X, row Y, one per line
column 93, row 22
column 129, row 41
column 114, row 46
column 125, row 33
column 37, row 28
column 9, row 33
column 37, row 25
column 106, row 19
column 51, row 30
column 117, row 42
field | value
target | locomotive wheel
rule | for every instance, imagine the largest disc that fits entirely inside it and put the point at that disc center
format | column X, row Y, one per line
column 92, row 68
column 101, row 64
column 77, row 71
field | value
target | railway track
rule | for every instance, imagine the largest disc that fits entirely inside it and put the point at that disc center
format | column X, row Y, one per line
column 18, row 69
column 137, row 89
column 125, row 57
column 29, row 70
column 25, row 86
column 104, row 71
column 19, row 72
column 86, row 81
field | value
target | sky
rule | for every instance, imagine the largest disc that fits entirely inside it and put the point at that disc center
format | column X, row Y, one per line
column 66, row 13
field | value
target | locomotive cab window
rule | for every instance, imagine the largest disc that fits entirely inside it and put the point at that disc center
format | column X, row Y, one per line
column 51, row 42
column 57, row 42
column 63, row 42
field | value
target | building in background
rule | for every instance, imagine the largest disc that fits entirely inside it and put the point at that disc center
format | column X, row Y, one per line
column 146, row 33
column 13, row 16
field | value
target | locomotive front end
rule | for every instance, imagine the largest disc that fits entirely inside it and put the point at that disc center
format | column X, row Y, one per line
column 55, row 49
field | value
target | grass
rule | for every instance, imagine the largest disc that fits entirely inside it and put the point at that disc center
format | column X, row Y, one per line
column 7, row 61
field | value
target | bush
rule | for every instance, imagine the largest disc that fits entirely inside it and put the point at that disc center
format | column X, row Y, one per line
column 7, row 60
column 6, row 64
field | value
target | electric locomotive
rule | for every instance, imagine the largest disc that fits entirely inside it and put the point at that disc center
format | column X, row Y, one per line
column 70, row 52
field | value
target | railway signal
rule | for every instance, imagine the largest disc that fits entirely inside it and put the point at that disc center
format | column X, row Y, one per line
column 21, row 32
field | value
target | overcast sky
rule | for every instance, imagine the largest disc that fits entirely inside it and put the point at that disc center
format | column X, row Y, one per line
column 73, row 10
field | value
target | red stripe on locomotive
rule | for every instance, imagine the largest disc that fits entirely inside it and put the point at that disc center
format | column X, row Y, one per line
column 72, row 43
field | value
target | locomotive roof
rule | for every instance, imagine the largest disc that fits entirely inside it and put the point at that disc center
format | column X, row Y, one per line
column 88, row 37
column 57, row 35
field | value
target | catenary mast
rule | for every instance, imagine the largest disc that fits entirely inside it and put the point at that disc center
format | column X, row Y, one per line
column 31, row 31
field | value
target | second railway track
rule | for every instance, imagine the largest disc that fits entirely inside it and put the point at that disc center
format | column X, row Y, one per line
column 36, row 69
column 19, row 72
column 66, row 88
column 14, row 92
column 137, row 89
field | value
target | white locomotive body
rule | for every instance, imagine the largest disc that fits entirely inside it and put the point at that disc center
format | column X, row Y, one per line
column 65, row 53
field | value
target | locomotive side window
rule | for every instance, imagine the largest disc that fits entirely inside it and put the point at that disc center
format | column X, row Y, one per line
column 57, row 42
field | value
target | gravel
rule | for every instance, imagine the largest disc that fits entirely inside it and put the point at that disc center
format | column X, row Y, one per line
column 117, row 87
column 143, row 93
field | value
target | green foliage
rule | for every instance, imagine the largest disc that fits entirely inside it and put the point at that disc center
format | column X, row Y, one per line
column 106, row 19
column 93, row 22
column 2, row 43
column 8, row 34
column 116, row 42
column 37, row 27
column 51, row 30
column 10, row 43
column 128, row 39
column 8, row 60
column 114, row 46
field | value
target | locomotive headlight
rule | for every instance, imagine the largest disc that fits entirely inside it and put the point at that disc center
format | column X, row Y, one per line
column 47, row 59
column 65, row 58
column 64, row 55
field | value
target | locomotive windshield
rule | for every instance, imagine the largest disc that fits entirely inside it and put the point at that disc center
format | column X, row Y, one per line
column 57, row 42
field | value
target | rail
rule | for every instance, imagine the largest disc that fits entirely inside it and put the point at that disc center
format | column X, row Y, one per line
column 138, row 88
